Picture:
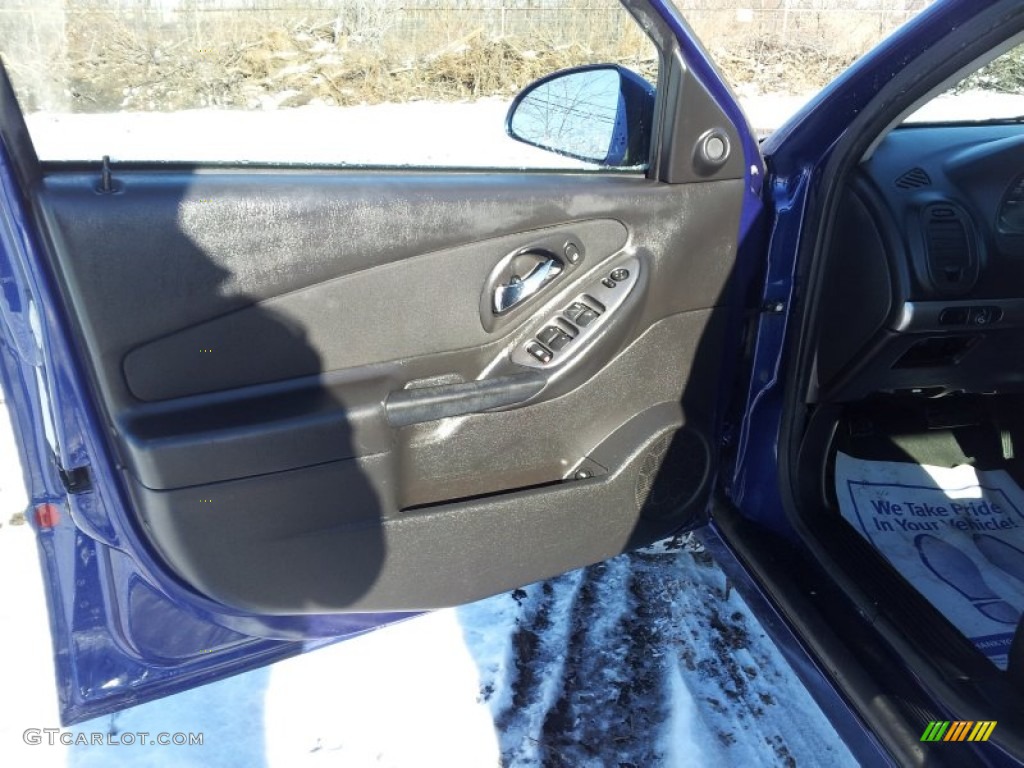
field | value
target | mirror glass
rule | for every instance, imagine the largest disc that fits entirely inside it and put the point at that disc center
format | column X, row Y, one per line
column 578, row 114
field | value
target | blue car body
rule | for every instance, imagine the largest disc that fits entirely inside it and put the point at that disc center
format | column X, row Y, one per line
column 91, row 554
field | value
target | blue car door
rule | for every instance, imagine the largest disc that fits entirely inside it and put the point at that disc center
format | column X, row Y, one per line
column 265, row 407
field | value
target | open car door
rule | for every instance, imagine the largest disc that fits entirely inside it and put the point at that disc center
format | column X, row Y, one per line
column 265, row 407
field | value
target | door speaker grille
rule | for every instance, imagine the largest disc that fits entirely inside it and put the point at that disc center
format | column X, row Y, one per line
column 672, row 474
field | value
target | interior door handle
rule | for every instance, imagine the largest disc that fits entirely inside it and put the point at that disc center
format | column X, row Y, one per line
column 519, row 289
column 417, row 406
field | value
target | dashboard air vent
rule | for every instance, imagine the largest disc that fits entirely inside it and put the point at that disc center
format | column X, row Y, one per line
column 952, row 262
column 915, row 178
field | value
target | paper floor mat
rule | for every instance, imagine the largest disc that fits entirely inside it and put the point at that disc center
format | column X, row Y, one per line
column 956, row 534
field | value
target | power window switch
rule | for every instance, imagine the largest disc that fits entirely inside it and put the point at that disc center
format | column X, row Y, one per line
column 586, row 317
column 558, row 342
column 538, row 351
column 575, row 310
column 549, row 334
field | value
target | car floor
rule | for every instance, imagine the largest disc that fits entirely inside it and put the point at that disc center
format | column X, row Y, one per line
column 648, row 659
column 934, row 489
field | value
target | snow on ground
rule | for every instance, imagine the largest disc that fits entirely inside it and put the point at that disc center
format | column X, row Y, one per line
column 971, row 105
column 422, row 133
column 645, row 660
column 419, row 133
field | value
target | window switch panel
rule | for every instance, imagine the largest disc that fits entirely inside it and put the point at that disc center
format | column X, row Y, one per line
column 569, row 332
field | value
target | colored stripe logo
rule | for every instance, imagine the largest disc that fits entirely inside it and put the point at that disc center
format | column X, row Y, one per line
column 958, row 730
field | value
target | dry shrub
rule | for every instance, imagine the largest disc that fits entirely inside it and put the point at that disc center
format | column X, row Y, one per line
column 364, row 53
column 117, row 64
column 770, row 65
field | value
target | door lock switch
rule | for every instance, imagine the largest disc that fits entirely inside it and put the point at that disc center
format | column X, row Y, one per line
column 539, row 351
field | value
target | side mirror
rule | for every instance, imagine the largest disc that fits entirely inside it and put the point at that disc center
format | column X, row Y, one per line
column 601, row 113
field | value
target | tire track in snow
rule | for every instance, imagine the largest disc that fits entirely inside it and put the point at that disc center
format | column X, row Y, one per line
column 649, row 659
column 537, row 656
column 612, row 699
column 750, row 708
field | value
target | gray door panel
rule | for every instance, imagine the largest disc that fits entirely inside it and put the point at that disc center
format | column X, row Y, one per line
column 316, row 410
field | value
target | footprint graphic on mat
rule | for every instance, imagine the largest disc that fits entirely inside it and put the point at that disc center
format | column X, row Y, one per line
column 959, row 571
column 1003, row 556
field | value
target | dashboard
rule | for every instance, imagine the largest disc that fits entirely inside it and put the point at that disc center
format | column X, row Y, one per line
column 924, row 280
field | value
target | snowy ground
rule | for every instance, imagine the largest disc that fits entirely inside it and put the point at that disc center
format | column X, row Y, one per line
column 416, row 133
column 645, row 660
column 422, row 133
column 464, row 134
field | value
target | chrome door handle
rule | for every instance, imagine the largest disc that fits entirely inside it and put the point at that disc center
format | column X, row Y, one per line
column 519, row 289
